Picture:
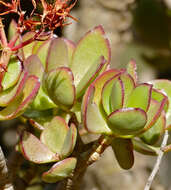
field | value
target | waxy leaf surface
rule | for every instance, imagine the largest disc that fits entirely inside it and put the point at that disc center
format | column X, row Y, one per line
column 59, row 86
column 35, row 151
column 123, row 149
column 127, row 121
column 60, row 170
column 93, row 45
column 54, row 134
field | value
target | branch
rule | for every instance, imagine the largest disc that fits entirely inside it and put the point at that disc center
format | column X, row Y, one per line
column 5, row 183
column 158, row 162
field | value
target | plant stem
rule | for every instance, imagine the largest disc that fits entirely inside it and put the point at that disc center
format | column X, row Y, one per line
column 5, row 183
column 83, row 161
column 158, row 162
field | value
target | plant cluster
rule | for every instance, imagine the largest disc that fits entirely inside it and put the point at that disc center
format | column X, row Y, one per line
column 63, row 89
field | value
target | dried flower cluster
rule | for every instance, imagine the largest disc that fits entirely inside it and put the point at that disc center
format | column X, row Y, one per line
column 53, row 15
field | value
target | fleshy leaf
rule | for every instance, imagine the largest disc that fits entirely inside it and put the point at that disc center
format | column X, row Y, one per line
column 128, row 86
column 54, row 134
column 143, row 148
column 140, row 97
column 42, row 101
column 8, row 95
column 70, row 141
column 165, row 86
column 91, row 74
column 152, row 135
column 93, row 45
column 35, row 151
column 57, row 54
column 131, row 69
column 12, row 75
column 60, row 170
column 127, row 121
column 106, row 94
column 42, row 51
column 18, row 106
column 154, row 112
column 101, row 80
column 123, row 149
column 92, row 118
column 117, row 96
column 71, row 47
column 59, row 86
column 34, row 67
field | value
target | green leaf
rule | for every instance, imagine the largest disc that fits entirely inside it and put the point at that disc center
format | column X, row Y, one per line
column 70, row 141
column 60, row 170
column 152, row 135
column 35, row 151
column 18, row 106
column 106, row 94
column 101, row 80
column 59, row 86
column 57, row 54
column 92, row 118
column 127, row 121
column 117, row 96
column 143, row 148
column 8, row 95
column 154, row 112
column 165, row 86
column 93, row 45
column 140, row 97
column 33, row 66
column 12, row 75
column 71, row 47
column 91, row 74
column 123, row 149
column 54, row 134
column 42, row 51
column 42, row 101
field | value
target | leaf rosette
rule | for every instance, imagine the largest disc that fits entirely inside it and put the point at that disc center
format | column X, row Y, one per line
column 133, row 114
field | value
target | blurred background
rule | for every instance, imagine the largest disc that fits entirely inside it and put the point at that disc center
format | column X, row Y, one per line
column 139, row 30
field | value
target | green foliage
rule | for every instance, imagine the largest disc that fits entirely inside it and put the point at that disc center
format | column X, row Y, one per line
column 62, row 86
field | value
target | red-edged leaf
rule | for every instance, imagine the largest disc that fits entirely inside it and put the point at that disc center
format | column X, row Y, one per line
column 54, row 134
column 127, row 121
column 35, row 151
column 60, row 170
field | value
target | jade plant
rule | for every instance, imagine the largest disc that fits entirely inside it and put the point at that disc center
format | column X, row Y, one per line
column 61, row 90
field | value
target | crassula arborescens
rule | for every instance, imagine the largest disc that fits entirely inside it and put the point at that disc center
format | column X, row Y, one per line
column 78, row 88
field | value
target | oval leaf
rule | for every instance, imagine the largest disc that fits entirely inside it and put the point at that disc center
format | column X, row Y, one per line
column 57, row 54
column 70, row 141
column 60, row 170
column 123, row 149
column 140, row 97
column 12, row 75
column 93, row 45
column 92, row 118
column 127, row 121
column 54, row 134
column 59, row 86
column 18, row 106
column 152, row 135
column 35, row 151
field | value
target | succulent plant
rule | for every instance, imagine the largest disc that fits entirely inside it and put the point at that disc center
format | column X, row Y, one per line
column 59, row 86
column 133, row 114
